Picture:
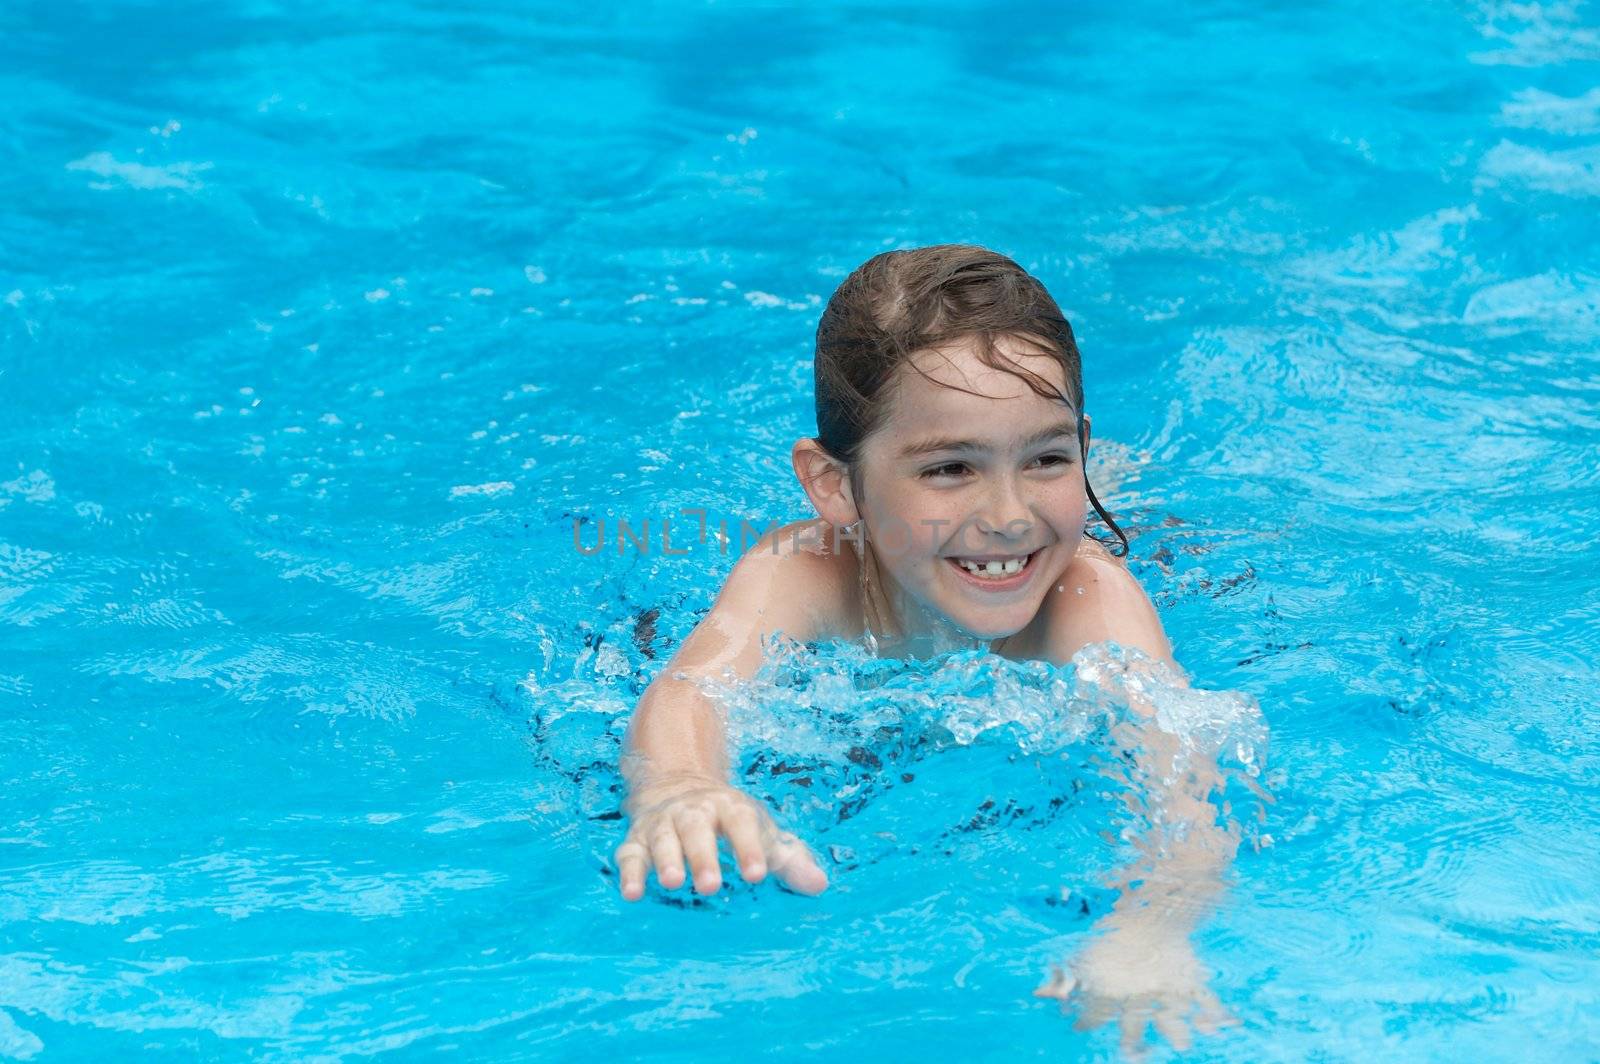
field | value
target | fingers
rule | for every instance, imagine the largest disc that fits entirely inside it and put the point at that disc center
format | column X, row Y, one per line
column 667, row 852
column 1211, row 1015
column 1170, row 1023
column 633, row 860
column 700, row 848
column 1059, row 986
column 1176, row 1012
column 791, row 861
column 1094, row 1012
column 741, row 824
column 1133, row 1024
column 687, row 831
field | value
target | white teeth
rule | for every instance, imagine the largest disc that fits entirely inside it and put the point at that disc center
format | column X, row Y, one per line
column 994, row 570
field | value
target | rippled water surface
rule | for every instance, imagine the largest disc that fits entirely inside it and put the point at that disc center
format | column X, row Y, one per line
column 320, row 325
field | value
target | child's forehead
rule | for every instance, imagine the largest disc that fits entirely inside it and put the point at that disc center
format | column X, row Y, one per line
column 955, row 391
column 954, row 378
column 960, row 364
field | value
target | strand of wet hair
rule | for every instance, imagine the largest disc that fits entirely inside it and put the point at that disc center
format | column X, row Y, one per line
column 1122, row 537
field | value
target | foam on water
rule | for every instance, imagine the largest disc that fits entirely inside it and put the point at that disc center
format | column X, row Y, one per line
column 821, row 726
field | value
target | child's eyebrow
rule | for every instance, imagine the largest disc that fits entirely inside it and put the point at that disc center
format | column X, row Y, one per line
column 946, row 443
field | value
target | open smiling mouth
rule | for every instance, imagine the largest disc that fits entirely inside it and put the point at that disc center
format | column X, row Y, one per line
column 996, row 573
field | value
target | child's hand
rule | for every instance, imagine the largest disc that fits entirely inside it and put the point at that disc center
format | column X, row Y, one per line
column 681, row 820
column 1139, row 976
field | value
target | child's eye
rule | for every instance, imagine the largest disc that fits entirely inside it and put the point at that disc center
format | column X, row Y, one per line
column 949, row 469
column 1054, row 461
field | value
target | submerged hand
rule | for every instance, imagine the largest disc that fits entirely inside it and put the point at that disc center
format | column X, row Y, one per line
column 681, row 820
column 1140, row 976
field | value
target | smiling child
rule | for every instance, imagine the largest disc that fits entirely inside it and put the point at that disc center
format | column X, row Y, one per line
column 948, row 477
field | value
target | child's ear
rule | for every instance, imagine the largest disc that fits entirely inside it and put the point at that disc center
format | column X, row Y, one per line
column 827, row 483
column 1083, row 439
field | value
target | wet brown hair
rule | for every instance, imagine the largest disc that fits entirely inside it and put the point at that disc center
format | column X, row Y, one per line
column 902, row 302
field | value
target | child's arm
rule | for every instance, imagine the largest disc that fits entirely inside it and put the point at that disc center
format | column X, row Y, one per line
column 675, row 757
column 1142, row 967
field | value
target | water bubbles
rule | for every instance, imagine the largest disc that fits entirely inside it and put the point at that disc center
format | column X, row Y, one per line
column 847, row 716
column 35, row 487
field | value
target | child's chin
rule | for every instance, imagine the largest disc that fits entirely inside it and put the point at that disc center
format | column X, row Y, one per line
column 990, row 628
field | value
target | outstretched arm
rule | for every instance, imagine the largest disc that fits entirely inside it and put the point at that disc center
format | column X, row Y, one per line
column 1141, row 966
column 675, row 760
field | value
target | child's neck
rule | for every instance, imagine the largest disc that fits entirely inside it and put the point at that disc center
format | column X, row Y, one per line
column 900, row 627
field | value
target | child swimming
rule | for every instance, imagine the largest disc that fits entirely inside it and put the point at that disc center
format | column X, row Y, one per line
column 948, row 478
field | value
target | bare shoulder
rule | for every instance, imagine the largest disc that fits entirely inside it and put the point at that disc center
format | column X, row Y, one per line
column 1097, row 599
column 1096, row 567
column 797, row 578
column 781, row 584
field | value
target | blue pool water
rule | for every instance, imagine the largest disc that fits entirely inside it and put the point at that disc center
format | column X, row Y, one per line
column 321, row 324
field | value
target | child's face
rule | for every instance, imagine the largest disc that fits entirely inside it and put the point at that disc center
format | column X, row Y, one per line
column 954, row 482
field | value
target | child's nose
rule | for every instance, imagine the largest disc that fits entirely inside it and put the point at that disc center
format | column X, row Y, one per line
column 1006, row 512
